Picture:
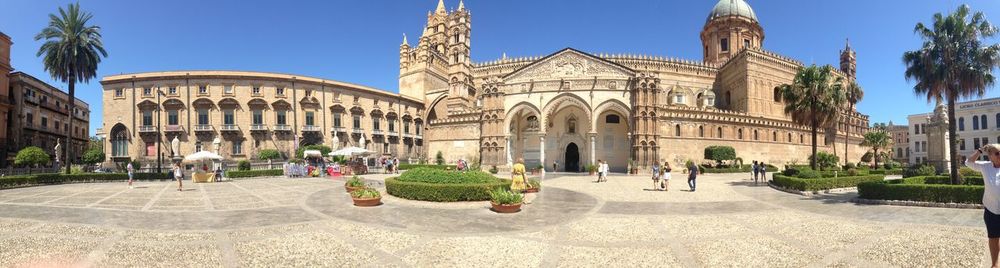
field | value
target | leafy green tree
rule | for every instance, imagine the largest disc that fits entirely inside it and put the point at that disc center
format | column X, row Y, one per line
column 878, row 139
column 813, row 99
column 269, row 154
column 323, row 149
column 720, row 153
column 72, row 50
column 825, row 160
column 31, row 156
column 93, row 156
column 854, row 95
column 953, row 63
column 243, row 165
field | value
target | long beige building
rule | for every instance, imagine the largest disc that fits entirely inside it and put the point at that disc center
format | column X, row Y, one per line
column 570, row 106
column 242, row 113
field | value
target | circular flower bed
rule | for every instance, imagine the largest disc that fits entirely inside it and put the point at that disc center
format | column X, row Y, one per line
column 444, row 186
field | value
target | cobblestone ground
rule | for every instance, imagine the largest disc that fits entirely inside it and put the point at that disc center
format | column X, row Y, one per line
column 573, row 222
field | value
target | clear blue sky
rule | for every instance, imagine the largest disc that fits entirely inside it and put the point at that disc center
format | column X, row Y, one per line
column 358, row 41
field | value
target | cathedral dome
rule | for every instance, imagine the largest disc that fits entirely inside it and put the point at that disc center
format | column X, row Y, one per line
column 727, row 8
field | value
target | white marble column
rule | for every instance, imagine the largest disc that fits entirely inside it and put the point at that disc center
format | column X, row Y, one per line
column 593, row 148
column 541, row 151
column 510, row 152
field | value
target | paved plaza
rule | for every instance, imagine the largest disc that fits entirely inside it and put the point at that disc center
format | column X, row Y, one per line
column 573, row 222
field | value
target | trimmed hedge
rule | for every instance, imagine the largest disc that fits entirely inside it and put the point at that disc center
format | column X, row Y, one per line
column 733, row 169
column 819, row 184
column 413, row 166
column 59, row 178
column 922, row 188
column 895, row 171
column 430, row 175
column 254, row 173
column 440, row 192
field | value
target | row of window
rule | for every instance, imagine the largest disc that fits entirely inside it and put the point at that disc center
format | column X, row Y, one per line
column 978, row 122
column 44, row 99
column 739, row 134
column 29, row 120
column 226, row 90
column 977, row 143
column 724, row 44
column 281, row 118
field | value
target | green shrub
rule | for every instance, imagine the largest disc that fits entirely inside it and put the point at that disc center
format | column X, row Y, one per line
column 31, row 156
column 413, row 166
column 355, row 181
column 93, row 156
column 439, row 158
column 826, row 160
column 505, row 197
column 59, row 178
column 915, row 189
column 968, row 172
column 849, row 166
column 268, row 154
column 439, row 192
column 809, row 174
column 323, row 149
column 493, row 170
column 243, row 165
column 818, row 184
column 720, row 153
column 254, row 173
column 430, row 175
column 535, row 184
column 366, row 193
column 852, row 172
column 971, row 180
column 921, row 170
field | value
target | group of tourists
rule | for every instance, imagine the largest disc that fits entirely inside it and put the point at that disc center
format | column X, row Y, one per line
column 462, row 165
column 602, row 171
column 294, row 170
column 759, row 171
column 661, row 176
column 391, row 164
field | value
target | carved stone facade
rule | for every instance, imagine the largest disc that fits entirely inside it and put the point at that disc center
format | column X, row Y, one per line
column 576, row 108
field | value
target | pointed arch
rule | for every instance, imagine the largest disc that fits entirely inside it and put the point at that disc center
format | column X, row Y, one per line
column 516, row 109
column 611, row 105
column 562, row 101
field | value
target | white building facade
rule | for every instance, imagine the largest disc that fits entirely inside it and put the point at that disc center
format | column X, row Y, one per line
column 978, row 124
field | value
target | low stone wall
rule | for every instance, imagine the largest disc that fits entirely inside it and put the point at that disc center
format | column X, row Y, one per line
column 916, row 203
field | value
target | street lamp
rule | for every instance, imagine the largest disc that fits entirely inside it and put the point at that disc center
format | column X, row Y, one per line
column 159, row 133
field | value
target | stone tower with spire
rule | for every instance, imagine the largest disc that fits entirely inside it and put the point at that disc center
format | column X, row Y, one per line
column 848, row 61
column 440, row 61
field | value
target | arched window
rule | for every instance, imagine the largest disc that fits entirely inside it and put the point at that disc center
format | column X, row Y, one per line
column 789, row 137
column 802, row 138
column 739, row 134
column 119, row 142
column 755, row 137
column 718, row 133
column 701, row 131
column 774, row 136
column 961, row 124
column 612, row 119
column 777, row 95
column 982, row 122
column 975, row 122
column 677, row 130
column 197, row 147
column 729, row 100
column 571, row 126
column 998, row 120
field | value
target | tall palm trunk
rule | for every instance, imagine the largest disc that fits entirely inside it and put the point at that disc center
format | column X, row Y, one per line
column 812, row 160
column 847, row 133
column 876, row 158
column 69, row 128
column 952, row 145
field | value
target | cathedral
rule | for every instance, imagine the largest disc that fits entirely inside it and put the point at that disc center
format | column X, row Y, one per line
column 575, row 108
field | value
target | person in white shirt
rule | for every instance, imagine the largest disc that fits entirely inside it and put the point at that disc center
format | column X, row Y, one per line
column 991, row 195
column 130, row 174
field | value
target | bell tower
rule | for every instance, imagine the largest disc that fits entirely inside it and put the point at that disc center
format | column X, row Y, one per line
column 424, row 67
column 848, row 61
column 461, row 93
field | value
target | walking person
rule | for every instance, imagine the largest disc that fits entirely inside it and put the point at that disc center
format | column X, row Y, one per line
column 517, row 179
column 395, row 165
column 692, row 175
column 131, row 174
column 600, row 170
column 763, row 172
column 991, row 196
column 179, row 176
column 656, row 175
column 555, row 166
column 754, row 170
column 665, row 177
column 607, row 171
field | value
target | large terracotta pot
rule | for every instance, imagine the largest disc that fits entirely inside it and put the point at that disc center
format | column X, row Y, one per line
column 531, row 190
column 367, row 202
column 498, row 208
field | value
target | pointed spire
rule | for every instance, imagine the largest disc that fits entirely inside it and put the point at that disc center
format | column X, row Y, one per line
column 461, row 5
column 504, row 56
column 404, row 40
column 440, row 8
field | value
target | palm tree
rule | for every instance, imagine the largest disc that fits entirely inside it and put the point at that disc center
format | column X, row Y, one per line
column 953, row 63
column 879, row 140
column 854, row 95
column 72, row 52
column 812, row 99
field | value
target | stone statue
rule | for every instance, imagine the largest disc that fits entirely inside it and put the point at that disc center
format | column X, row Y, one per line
column 175, row 147
column 217, row 144
column 58, row 150
column 336, row 142
column 361, row 141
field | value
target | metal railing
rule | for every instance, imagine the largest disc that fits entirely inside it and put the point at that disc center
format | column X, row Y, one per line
column 258, row 127
column 280, row 127
column 376, row 132
column 310, row 128
column 357, row 131
column 145, row 129
column 229, row 128
column 173, row 128
column 337, row 129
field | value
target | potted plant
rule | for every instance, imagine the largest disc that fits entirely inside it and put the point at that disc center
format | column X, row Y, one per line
column 493, row 170
column 366, row 197
column 591, row 168
column 354, row 183
column 504, row 201
column 534, row 185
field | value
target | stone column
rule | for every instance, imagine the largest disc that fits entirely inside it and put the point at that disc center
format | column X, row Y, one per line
column 541, row 151
column 593, row 148
column 510, row 152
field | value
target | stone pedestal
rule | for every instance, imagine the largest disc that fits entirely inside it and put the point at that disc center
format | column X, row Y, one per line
column 937, row 140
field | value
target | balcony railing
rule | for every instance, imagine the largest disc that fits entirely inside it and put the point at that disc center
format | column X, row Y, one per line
column 407, row 136
column 229, row 128
column 310, row 128
column 203, row 128
column 393, row 133
column 418, row 136
column 173, row 128
column 258, row 127
column 357, row 131
column 376, row 132
column 147, row 129
column 281, row 127
column 338, row 129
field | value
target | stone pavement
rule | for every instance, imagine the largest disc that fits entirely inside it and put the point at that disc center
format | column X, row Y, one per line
column 573, row 222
